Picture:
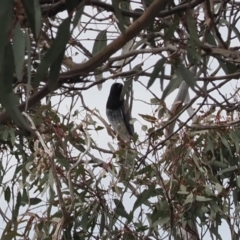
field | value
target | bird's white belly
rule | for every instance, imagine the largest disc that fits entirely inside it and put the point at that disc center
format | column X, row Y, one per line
column 116, row 120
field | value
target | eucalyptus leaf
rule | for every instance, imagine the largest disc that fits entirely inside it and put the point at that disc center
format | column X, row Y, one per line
column 98, row 76
column 78, row 14
column 120, row 210
column 121, row 21
column 6, row 15
column 144, row 196
column 186, row 75
column 18, row 50
column 54, row 54
column 173, row 84
column 33, row 12
column 100, row 42
column 155, row 73
column 7, row 98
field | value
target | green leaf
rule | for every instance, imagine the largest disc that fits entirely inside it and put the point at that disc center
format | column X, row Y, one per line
column 121, row 21
column 171, row 29
column 18, row 50
column 12, row 136
column 24, row 199
column 78, row 13
column 55, row 69
column 6, row 14
column 17, row 205
column 35, row 201
column 192, row 27
column 238, row 181
column 186, row 75
column 33, row 12
column 102, row 224
column 202, row 198
column 98, row 76
column 233, row 27
column 193, row 56
column 7, row 98
column 100, row 42
column 71, row 5
column 120, row 210
column 214, row 229
column 210, row 39
column 7, row 194
column 227, row 67
column 139, row 68
column 54, row 55
column 234, row 135
column 229, row 169
column 189, row 199
column 173, row 84
column 144, row 196
column 155, row 73
column 125, row 6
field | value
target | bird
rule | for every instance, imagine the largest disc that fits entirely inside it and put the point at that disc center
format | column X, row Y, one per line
column 118, row 113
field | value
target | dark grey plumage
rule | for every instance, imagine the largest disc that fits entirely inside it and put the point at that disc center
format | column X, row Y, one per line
column 118, row 113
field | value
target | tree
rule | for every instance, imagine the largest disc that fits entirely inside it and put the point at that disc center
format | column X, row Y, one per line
column 182, row 174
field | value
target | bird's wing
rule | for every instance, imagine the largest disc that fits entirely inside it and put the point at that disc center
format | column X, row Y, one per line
column 127, row 117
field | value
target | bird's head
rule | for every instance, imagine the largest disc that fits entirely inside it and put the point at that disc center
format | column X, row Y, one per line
column 114, row 99
column 116, row 90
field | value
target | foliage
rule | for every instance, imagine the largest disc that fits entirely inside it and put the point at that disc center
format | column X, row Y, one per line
column 60, row 182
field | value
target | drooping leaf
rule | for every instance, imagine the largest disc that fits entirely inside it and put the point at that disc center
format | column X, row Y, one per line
column 155, row 73
column 125, row 49
column 71, row 5
column 121, row 21
column 35, row 201
column 29, row 68
column 192, row 28
column 202, row 198
column 234, row 134
column 233, row 27
column 33, row 12
column 193, row 56
column 186, row 75
column 102, row 224
column 100, row 42
column 54, row 54
column 6, row 14
column 125, row 5
column 170, row 31
column 173, row 84
column 25, row 197
column 98, row 76
column 55, row 69
column 78, row 13
column 210, row 39
column 7, row 98
column 7, row 194
column 120, row 210
column 227, row 67
column 17, row 205
column 18, row 50
column 144, row 196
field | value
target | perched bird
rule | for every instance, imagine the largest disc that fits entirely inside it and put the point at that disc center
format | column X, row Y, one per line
column 118, row 113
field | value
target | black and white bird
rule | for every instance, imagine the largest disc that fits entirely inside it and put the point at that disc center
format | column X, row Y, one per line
column 118, row 113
